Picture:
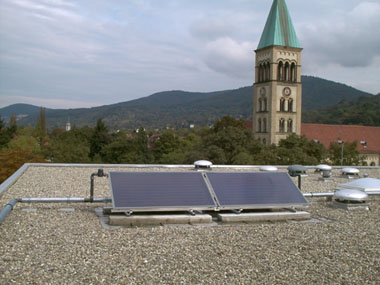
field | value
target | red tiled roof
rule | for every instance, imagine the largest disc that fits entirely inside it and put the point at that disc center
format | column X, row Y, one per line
column 349, row 133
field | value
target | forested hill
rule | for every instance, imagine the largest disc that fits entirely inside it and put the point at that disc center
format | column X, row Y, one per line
column 362, row 111
column 180, row 108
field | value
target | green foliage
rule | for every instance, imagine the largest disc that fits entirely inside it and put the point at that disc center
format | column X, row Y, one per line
column 228, row 142
column 362, row 111
column 299, row 150
column 25, row 142
column 167, row 143
column 99, row 138
column 350, row 154
column 69, row 147
column 12, row 159
column 6, row 133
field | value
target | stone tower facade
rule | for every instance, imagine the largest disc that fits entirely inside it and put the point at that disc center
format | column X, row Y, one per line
column 277, row 96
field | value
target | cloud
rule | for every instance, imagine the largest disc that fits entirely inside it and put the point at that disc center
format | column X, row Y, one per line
column 347, row 40
column 229, row 57
column 209, row 28
column 119, row 50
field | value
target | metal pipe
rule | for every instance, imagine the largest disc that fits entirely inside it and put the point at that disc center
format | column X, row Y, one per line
column 8, row 207
column 100, row 173
column 323, row 194
column 330, row 194
column 65, row 200
column 300, row 181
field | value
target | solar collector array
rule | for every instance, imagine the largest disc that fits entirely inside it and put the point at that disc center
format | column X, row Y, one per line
column 162, row 190
column 255, row 190
column 172, row 191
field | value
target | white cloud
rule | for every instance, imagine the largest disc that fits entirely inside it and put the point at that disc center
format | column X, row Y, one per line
column 229, row 57
column 349, row 40
column 95, row 50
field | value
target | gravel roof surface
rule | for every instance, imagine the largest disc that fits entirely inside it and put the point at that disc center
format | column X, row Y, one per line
column 66, row 244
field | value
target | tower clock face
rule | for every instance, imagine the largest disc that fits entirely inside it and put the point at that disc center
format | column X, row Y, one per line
column 262, row 91
column 286, row 91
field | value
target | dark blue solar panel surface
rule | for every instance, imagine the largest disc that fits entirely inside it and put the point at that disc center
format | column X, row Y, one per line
column 255, row 190
column 159, row 190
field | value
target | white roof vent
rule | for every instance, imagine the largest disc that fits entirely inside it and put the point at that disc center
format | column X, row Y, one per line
column 350, row 196
column 268, row 168
column 322, row 167
column 350, row 171
column 350, row 199
column 200, row 164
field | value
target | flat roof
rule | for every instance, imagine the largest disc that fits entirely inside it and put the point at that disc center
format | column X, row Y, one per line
column 67, row 244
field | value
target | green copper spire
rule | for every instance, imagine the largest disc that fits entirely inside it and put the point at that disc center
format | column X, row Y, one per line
column 279, row 30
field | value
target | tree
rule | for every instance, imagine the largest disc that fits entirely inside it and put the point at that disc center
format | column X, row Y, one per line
column 226, row 140
column 350, row 153
column 227, row 121
column 69, row 147
column 41, row 122
column 142, row 151
column 299, row 150
column 120, row 150
column 99, row 139
column 6, row 133
column 13, row 120
column 12, row 159
column 167, row 143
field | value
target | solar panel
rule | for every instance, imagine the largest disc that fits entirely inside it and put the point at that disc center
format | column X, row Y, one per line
column 160, row 191
column 255, row 190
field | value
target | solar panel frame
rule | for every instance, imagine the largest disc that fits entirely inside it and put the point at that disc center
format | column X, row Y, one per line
column 275, row 199
column 171, row 180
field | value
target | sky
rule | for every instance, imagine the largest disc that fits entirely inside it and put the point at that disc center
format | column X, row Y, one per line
column 72, row 54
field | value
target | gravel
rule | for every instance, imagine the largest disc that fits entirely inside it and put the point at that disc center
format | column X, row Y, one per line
column 43, row 244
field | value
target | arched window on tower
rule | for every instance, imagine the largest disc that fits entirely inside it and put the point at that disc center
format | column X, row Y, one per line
column 264, row 125
column 260, row 73
column 260, row 105
column 293, row 72
column 290, row 126
column 265, row 103
column 268, row 71
column 259, row 126
column 286, row 77
column 282, row 126
column 282, row 105
column 280, row 71
column 290, row 105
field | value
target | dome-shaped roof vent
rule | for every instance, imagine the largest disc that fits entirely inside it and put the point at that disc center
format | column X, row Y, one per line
column 297, row 170
column 325, row 171
column 202, row 164
column 268, row 168
column 350, row 199
column 322, row 167
column 350, row 172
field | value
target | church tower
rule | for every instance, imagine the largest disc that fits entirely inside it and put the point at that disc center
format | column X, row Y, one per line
column 277, row 95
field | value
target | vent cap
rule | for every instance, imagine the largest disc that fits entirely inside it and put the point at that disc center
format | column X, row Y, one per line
column 268, row 168
column 323, row 167
column 350, row 171
column 202, row 164
column 350, row 196
column 296, row 170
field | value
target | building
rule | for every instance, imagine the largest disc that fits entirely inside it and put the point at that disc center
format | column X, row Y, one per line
column 68, row 125
column 277, row 88
column 367, row 138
